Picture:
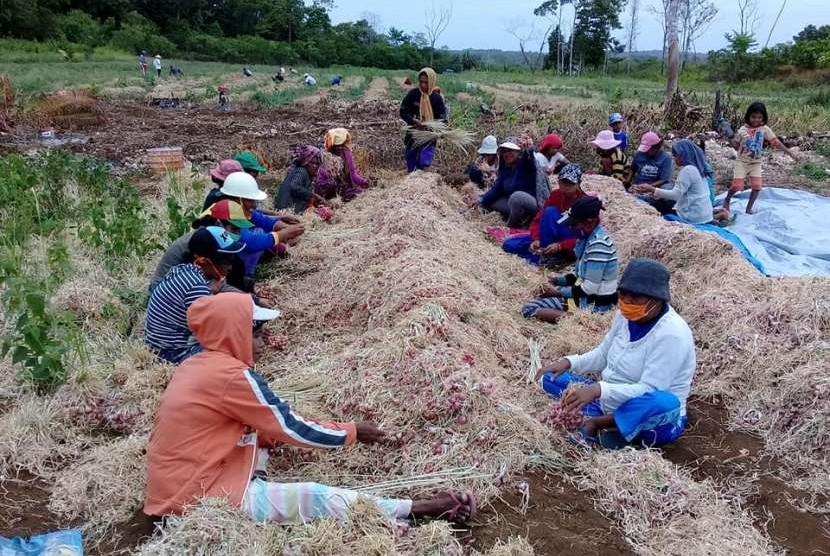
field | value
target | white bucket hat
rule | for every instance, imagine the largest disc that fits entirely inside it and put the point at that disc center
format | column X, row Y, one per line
column 510, row 146
column 242, row 185
column 489, row 145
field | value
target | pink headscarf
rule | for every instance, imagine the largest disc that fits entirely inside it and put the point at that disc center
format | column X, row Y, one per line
column 304, row 154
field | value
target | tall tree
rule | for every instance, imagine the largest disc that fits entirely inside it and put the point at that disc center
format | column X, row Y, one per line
column 673, row 73
column 436, row 20
column 397, row 37
column 632, row 30
column 659, row 10
column 748, row 15
column 775, row 23
column 595, row 21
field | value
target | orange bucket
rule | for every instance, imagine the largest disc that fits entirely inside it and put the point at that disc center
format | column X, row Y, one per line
column 163, row 160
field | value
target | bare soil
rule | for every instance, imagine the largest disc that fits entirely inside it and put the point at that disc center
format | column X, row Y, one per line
column 733, row 460
column 378, row 89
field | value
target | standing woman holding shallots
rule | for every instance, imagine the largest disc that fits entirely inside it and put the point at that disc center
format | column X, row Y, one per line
column 421, row 105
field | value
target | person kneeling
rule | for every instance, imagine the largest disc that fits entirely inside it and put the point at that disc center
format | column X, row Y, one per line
column 218, row 417
column 594, row 284
column 647, row 361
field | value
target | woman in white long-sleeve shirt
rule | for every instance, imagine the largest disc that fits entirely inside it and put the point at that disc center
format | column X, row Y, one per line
column 647, row 361
column 691, row 189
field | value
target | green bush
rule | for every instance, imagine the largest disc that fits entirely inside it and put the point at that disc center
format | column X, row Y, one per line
column 241, row 50
column 79, row 27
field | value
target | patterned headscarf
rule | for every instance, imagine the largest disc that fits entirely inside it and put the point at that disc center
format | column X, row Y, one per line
column 304, row 154
column 337, row 137
column 571, row 173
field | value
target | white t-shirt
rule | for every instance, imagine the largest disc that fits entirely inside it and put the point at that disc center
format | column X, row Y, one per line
column 310, row 81
column 691, row 196
column 157, row 63
column 548, row 165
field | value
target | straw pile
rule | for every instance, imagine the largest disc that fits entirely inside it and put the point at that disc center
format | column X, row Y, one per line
column 440, row 131
column 664, row 512
column 404, row 315
column 67, row 110
column 762, row 342
column 6, row 103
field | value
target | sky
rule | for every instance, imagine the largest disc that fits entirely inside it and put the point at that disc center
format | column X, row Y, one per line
column 482, row 24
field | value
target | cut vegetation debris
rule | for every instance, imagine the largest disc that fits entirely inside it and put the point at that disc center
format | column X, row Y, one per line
column 440, row 131
column 67, row 110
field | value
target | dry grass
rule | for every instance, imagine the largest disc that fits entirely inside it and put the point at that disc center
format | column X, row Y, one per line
column 67, row 110
column 664, row 512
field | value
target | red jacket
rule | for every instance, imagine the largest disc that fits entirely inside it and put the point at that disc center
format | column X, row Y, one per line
column 558, row 200
column 216, row 411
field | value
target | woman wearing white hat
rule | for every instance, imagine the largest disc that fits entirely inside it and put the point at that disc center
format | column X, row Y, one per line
column 483, row 172
column 157, row 65
column 520, row 189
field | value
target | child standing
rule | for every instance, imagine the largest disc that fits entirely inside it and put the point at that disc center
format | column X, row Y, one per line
column 223, row 98
column 749, row 142
column 616, row 123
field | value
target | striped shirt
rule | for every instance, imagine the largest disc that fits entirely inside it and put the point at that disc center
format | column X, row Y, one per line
column 166, row 326
column 597, row 264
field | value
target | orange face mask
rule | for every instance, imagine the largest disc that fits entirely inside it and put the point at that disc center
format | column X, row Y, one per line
column 634, row 311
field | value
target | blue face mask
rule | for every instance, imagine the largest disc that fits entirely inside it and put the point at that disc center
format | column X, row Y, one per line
column 233, row 236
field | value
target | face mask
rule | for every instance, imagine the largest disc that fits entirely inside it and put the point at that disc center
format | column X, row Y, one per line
column 634, row 311
column 233, row 236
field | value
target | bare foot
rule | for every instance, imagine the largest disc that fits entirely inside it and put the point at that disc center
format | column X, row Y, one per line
column 749, row 211
column 443, row 506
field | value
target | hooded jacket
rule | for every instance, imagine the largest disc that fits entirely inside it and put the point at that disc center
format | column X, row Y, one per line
column 217, row 410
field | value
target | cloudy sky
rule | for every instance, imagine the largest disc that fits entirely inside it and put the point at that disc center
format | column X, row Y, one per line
column 482, row 23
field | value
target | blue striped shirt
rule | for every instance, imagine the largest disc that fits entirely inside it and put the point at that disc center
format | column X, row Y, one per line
column 597, row 263
column 166, row 326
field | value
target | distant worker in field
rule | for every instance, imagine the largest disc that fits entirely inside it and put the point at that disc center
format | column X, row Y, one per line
column 613, row 162
column 593, row 284
column 484, row 170
column 652, row 166
column 166, row 332
column 647, row 361
column 338, row 175
column 420, row 106
column 309, row 80
column 549, row 156
column 218, row 417
column 749, row 142
column 548, row 239
column 616, row 123
column 692, row 204
column 142, row 63
column 157, row 65
column 224, row 102
column 176, row 71
column 520, row 189
column 280, row 75
column 336, row 80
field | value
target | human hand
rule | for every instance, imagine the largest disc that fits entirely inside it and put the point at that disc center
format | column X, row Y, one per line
column 534, row 247
column 368, row 432
column 557, row 368
column 291, row 232
column 576, row 398
column 643, row 188
column 548, row 290
column 289, row 219
column 265, row 303
column 552, row 249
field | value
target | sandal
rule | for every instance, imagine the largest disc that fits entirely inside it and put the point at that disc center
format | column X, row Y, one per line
column 452, row 515
column 581, row 439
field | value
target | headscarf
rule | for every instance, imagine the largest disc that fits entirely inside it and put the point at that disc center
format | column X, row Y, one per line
column 571, row 173
column 337, row 137
column 692, row 155
column 304, row 154
column 550, row 140
column 426, row 103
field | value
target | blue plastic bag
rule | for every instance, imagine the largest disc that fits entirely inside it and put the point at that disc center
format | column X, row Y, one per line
column 59, row 543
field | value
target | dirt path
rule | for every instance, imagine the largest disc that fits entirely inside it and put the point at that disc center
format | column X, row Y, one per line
column 733, row 460
column 378, row 89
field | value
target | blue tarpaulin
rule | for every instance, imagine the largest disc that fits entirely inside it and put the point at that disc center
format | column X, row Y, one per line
column 59, row 543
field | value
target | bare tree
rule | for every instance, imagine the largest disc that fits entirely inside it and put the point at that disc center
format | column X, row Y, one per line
column 659, row 11
column 374, row 21
column 632, row 30
column 696, row 16
column 673, row 73
column 527, row 37
column 436, row 20
column 749, row 14
column 775, row 23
